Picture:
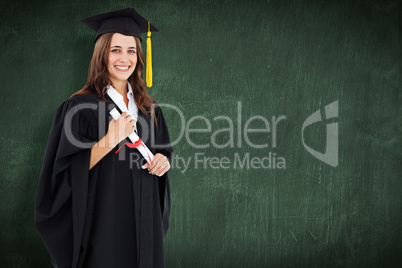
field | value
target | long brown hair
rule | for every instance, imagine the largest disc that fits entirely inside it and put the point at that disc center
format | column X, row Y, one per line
column 98, row 77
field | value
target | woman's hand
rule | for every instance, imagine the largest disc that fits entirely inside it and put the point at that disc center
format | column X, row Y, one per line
column 120, row 129
column 159, row 165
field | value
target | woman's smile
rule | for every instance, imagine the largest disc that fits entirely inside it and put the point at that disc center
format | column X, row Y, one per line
column 122, row 68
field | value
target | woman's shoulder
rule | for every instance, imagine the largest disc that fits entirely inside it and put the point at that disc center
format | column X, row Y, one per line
column 80, row 100
column 157, row 111
column 84, row 98
column 81, row 104
column 156, row 107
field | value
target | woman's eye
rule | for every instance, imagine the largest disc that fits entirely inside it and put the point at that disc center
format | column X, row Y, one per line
column 132, row 51
column 115, row 50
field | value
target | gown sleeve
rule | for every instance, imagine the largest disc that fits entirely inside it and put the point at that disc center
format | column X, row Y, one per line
column 65, row 171
column 164, row 147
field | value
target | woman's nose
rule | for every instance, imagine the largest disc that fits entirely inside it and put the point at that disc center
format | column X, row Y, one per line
column 123, row 59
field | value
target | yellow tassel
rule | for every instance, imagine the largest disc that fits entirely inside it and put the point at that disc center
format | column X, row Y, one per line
column 149, row 59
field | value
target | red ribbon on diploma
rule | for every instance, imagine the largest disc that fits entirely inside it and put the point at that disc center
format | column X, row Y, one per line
column 136, row 144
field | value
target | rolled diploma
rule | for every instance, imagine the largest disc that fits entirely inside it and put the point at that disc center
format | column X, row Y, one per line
column 143, row 149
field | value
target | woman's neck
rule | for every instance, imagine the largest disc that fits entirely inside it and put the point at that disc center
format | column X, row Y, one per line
column 121, row 87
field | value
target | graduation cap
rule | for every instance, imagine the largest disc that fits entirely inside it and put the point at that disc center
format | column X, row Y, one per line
column 127, row 22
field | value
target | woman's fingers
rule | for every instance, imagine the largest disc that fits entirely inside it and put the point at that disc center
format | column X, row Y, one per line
column 162, row 170
column 121, row 128
column 127, row 118
column 127, row 125
column 132, row 123
column 130, row 127
column 159, row 165
column 154, row 163
column 123, row 116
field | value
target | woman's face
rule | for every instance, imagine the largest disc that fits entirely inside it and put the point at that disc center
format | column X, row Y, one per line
column 122, row 57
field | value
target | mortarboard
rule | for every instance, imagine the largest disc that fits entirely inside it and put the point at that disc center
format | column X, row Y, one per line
column 128, row 22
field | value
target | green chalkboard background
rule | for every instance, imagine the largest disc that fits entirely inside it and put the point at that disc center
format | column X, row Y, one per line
column 229, row 58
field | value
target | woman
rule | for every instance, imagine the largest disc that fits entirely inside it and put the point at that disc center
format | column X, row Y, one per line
column 97, row 206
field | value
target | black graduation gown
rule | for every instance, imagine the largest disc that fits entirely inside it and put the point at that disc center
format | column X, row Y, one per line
column 114, row 215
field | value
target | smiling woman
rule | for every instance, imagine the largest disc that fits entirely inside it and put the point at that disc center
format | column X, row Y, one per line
column 93, row 207
column 109, row 47
column 122, row 60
